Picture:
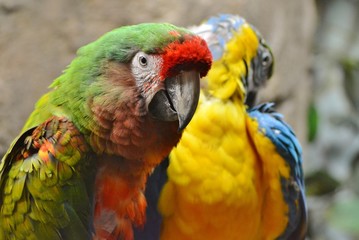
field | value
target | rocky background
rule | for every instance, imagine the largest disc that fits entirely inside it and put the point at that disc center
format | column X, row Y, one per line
column 315, row 43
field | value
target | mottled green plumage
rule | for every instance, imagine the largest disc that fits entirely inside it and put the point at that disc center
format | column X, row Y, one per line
column 96, row 119
column 44, row 185
column 118, row 45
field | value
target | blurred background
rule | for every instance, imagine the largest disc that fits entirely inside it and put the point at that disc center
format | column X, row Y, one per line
column 315, row 85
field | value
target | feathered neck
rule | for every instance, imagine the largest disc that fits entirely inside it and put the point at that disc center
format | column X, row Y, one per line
column 111, row 113
column 225, row 79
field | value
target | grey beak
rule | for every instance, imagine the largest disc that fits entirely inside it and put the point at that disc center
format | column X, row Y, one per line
column 179, row 99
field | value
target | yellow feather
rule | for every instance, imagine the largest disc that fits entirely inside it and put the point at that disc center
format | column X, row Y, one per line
column 222, row 178
column 224, row 76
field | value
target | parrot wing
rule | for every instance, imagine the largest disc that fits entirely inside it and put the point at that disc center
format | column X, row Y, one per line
column 41, row 187
column 287, row 145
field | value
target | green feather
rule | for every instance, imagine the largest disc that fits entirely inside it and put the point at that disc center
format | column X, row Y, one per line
column 15, row 170
column 65, row 172
column 9, row 186
column 18, row 188
column 23, row 206
column 48, row 193
column 46, row 232
column 8, row 208
column 75, row 230
column 78, row 82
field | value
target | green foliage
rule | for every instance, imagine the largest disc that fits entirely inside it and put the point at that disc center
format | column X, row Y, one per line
column 344, row 215
column 351, row 84
column 349, row 65
column 320, row 183
column 312, row 122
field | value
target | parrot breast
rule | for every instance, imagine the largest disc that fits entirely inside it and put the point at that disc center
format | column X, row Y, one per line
column 124, row 128
column 130, row 142
column 217, row 186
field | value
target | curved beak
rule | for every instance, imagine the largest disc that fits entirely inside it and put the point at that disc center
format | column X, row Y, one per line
column 179, row 99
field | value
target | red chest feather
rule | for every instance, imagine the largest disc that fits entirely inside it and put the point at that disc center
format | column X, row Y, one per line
column 119, row 201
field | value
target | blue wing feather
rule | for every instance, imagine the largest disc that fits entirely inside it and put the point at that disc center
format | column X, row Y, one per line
column 283, row 137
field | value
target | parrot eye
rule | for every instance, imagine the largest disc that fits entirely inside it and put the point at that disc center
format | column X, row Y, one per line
column 266, row 59
column 143, row 60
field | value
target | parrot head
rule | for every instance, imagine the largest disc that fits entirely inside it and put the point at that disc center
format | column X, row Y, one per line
column 238, row 50
column 260, row 70
column 134, row 83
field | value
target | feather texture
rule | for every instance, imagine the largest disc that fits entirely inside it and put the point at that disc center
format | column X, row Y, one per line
column 236, row 173
column 78, row 170
column 43, row 177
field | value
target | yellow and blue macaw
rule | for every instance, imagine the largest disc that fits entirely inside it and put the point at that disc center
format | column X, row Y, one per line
column 237, row 171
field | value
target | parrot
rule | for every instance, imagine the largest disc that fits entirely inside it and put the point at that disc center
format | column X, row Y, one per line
column 78, row 169
column 236, row 173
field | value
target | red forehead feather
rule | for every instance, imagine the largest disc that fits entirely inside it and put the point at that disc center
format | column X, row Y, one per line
column 192, row 53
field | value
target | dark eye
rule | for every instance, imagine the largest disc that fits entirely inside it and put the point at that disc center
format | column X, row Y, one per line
column 143, row 60
column 266, row 59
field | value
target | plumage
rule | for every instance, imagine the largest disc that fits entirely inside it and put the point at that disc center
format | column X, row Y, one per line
column 237, row 171
column 218, row 31
column 78, row 170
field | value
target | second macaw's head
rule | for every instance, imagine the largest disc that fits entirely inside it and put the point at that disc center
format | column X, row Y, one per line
column 134, row 90
column 243, row 62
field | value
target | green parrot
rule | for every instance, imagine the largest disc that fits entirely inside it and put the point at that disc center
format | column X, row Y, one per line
column 79, row 168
